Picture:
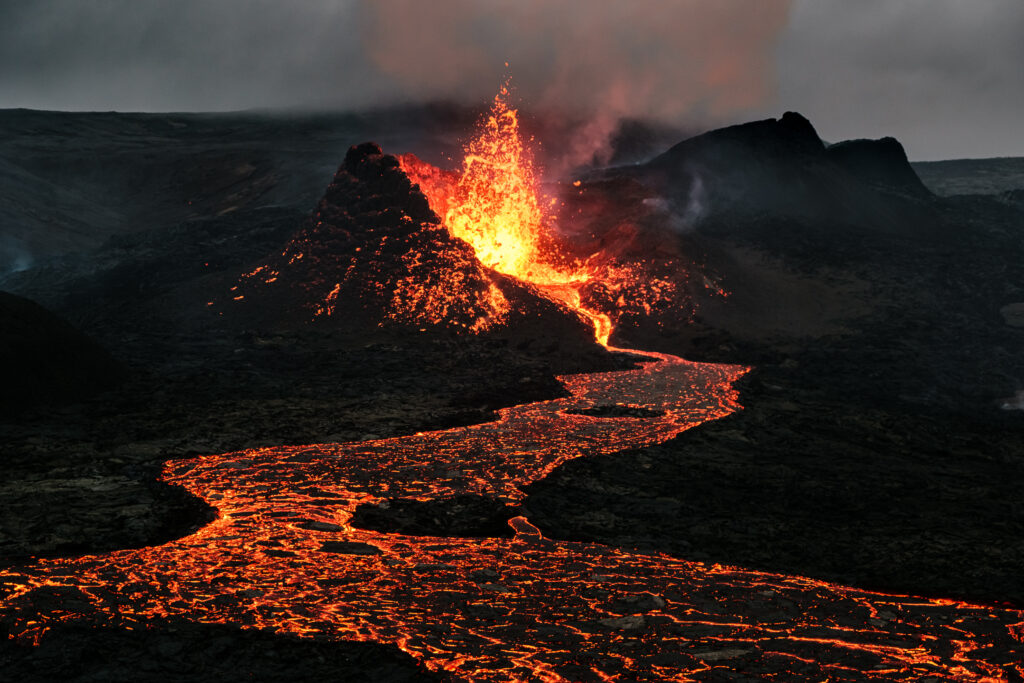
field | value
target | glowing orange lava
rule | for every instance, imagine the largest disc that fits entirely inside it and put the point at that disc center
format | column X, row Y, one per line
column 495, row 206
column 283, row 555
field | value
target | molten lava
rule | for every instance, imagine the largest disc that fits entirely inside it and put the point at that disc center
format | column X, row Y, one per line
column 284, row 556
column 495, row 206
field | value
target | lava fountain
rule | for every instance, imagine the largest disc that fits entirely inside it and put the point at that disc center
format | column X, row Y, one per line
column 495, row 206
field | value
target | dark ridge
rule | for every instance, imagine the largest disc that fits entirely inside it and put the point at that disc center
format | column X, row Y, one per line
column 778, row 138
column 881, row 163
column 779, row 169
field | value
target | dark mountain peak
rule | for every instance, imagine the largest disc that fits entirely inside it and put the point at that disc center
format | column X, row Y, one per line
column 372, row 183
column 881, row 163
column 788, row 136
column 781, row 168
column 798, row 127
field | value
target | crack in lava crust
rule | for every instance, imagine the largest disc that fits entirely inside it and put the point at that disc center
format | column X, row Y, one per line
column 525, row 608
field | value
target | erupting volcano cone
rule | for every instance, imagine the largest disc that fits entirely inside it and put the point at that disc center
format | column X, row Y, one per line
column 373, row 254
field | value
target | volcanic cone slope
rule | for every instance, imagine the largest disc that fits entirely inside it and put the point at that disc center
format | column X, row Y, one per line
column 373, row 254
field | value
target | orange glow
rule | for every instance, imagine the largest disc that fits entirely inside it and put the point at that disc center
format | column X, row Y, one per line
column 284, row 556
column 495, row 206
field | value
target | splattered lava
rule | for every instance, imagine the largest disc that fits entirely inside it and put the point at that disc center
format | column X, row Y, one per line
column 282, row 554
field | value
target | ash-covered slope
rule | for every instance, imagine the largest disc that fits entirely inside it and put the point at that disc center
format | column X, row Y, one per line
column 780, row 168
column 373, row 254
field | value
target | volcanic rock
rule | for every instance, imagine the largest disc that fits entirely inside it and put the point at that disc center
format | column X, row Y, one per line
column 465, row 515
column 183, row 651
column 628, row 623
column 882, row 163
column 617, row 411
column 637, row 604
column 780, row 167
column 43, row 359
column 349, row 548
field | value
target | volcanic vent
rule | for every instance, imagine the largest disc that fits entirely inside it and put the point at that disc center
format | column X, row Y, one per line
column 399, row 243
column 373, row 254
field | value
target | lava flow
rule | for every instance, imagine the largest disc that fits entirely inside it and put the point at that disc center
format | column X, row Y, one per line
column 282, row 555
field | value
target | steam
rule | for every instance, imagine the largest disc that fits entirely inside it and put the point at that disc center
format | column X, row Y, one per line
column 14, row 257
column 681, row 219
column 1015, row 403
column 603, row 62
column 695, row 203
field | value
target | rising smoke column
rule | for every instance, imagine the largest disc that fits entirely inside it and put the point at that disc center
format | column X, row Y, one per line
column 668, row 61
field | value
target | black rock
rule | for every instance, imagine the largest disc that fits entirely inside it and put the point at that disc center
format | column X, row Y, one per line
column 467, row 516
column 43, row 359
column 182, row 651
column 349, row 548
column 781, row 168
column 881, row 163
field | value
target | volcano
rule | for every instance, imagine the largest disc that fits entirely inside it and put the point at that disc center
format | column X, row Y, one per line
column 374, row 254
column 398, row 242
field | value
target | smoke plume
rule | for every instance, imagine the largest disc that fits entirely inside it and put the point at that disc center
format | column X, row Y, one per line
column 601, row 62
column 589, row 61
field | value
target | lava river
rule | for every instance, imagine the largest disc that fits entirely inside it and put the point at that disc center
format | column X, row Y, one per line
column 282, row 556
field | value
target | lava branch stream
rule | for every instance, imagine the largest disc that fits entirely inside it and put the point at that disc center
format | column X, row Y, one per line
column 282, row 555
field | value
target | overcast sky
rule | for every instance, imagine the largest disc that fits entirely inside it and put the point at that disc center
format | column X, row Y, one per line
column 943, row 76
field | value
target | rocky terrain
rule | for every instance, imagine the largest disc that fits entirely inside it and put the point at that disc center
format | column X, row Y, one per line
column 881, row 443
column 972, row 176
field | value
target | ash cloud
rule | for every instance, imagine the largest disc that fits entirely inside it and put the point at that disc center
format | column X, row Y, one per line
column 645, row 58
column 185, row 55
column 597, row 62
column 942, row 76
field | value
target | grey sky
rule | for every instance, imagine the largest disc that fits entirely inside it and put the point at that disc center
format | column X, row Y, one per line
column 943, row 76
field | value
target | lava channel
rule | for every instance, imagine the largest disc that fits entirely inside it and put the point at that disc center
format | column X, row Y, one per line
column 283, row 556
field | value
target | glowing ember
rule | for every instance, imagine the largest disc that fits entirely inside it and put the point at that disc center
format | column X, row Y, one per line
column 372, row 251
column 373, row 245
